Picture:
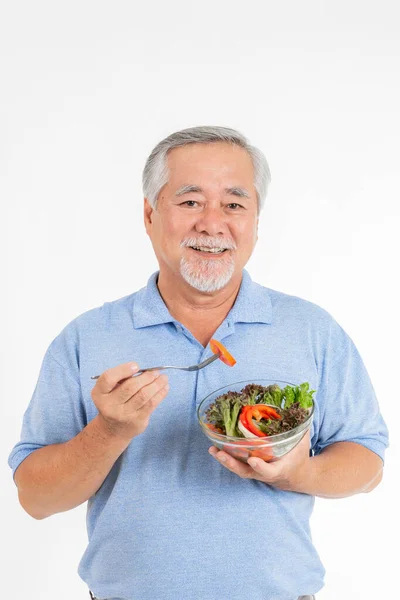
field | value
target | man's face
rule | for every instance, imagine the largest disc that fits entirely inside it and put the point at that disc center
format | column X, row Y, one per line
column 209, row 203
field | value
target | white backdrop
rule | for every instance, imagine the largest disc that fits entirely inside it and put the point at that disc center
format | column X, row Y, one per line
column 87, row 90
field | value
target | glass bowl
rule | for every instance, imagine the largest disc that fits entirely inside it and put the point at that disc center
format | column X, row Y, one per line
column 268, row 448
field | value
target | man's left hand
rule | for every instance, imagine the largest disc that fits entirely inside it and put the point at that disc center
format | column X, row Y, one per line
column 290, row 473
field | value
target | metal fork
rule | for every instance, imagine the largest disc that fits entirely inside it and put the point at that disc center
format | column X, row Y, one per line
column 201, row 365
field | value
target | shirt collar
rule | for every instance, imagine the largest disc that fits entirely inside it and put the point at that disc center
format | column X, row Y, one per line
column 252, row 304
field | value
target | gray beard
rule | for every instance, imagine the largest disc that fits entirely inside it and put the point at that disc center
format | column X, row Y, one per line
column 210, row 278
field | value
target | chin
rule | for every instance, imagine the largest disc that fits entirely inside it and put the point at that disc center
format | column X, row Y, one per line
column 208, row 278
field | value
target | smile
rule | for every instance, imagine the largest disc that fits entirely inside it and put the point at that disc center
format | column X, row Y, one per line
column 210, row 250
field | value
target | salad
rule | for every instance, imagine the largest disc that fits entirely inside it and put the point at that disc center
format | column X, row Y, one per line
column 258, row 411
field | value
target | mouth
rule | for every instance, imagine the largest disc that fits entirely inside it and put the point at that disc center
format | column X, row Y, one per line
column 208, row 251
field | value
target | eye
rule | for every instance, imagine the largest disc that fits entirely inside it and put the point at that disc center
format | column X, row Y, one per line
column 189, row 203
column 234, row 205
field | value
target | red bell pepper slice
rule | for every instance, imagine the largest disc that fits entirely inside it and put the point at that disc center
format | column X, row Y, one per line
column 247, row 422
column 243, row 416
column 262, row 411
column 223, row 354
column 257, row 412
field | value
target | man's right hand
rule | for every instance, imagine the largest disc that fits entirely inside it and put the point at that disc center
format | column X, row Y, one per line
column 125, row 403
column 60, row 476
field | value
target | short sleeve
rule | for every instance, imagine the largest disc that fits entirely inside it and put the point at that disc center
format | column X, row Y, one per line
column 56, row 412
column 349, row 410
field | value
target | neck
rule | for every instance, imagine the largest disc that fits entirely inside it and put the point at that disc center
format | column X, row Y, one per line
column 198, row 311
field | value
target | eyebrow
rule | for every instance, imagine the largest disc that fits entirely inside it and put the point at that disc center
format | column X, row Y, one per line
column 238, row 191
column 187, row 189
column 234, row 191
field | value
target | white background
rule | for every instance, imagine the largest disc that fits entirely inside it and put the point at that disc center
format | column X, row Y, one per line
column 87, row 90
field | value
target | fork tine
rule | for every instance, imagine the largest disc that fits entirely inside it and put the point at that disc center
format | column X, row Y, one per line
column 203, row 364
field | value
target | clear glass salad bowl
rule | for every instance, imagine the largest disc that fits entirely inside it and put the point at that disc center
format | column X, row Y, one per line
column 268, row 448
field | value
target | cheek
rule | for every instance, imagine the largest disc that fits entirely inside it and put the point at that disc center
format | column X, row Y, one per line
column 166, row 226
column 246, row 234
column 172, row 229
column 177, row 225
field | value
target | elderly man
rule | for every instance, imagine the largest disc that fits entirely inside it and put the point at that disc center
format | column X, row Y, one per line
column 167, row 519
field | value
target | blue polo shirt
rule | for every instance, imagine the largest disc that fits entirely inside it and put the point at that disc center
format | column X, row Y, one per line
column 169, row 522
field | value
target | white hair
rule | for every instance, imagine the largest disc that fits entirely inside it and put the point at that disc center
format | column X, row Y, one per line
column 155, row 173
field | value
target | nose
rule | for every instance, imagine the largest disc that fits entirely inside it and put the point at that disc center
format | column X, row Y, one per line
column 212, row 221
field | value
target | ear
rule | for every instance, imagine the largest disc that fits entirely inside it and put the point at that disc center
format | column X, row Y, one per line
column 148, row 213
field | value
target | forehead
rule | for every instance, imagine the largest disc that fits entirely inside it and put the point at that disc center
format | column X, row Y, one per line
column 216, row 162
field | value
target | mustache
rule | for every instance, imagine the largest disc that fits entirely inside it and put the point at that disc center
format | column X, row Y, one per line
column 209, row 242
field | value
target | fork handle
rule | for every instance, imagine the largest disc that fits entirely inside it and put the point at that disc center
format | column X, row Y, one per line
column 192, row 368
column 148, row 369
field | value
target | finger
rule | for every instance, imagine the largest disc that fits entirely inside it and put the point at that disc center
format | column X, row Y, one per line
column 147, row 392
column 148, row 407
column 134, row 387
column 262, row 470
column 111, row 377
column 232, row 464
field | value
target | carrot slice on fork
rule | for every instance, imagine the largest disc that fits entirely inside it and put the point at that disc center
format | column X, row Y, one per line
column 223, row 354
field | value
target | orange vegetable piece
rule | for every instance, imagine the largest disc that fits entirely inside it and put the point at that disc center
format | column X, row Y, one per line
column 222, row 352
column 213, row 428
column 263, row 454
